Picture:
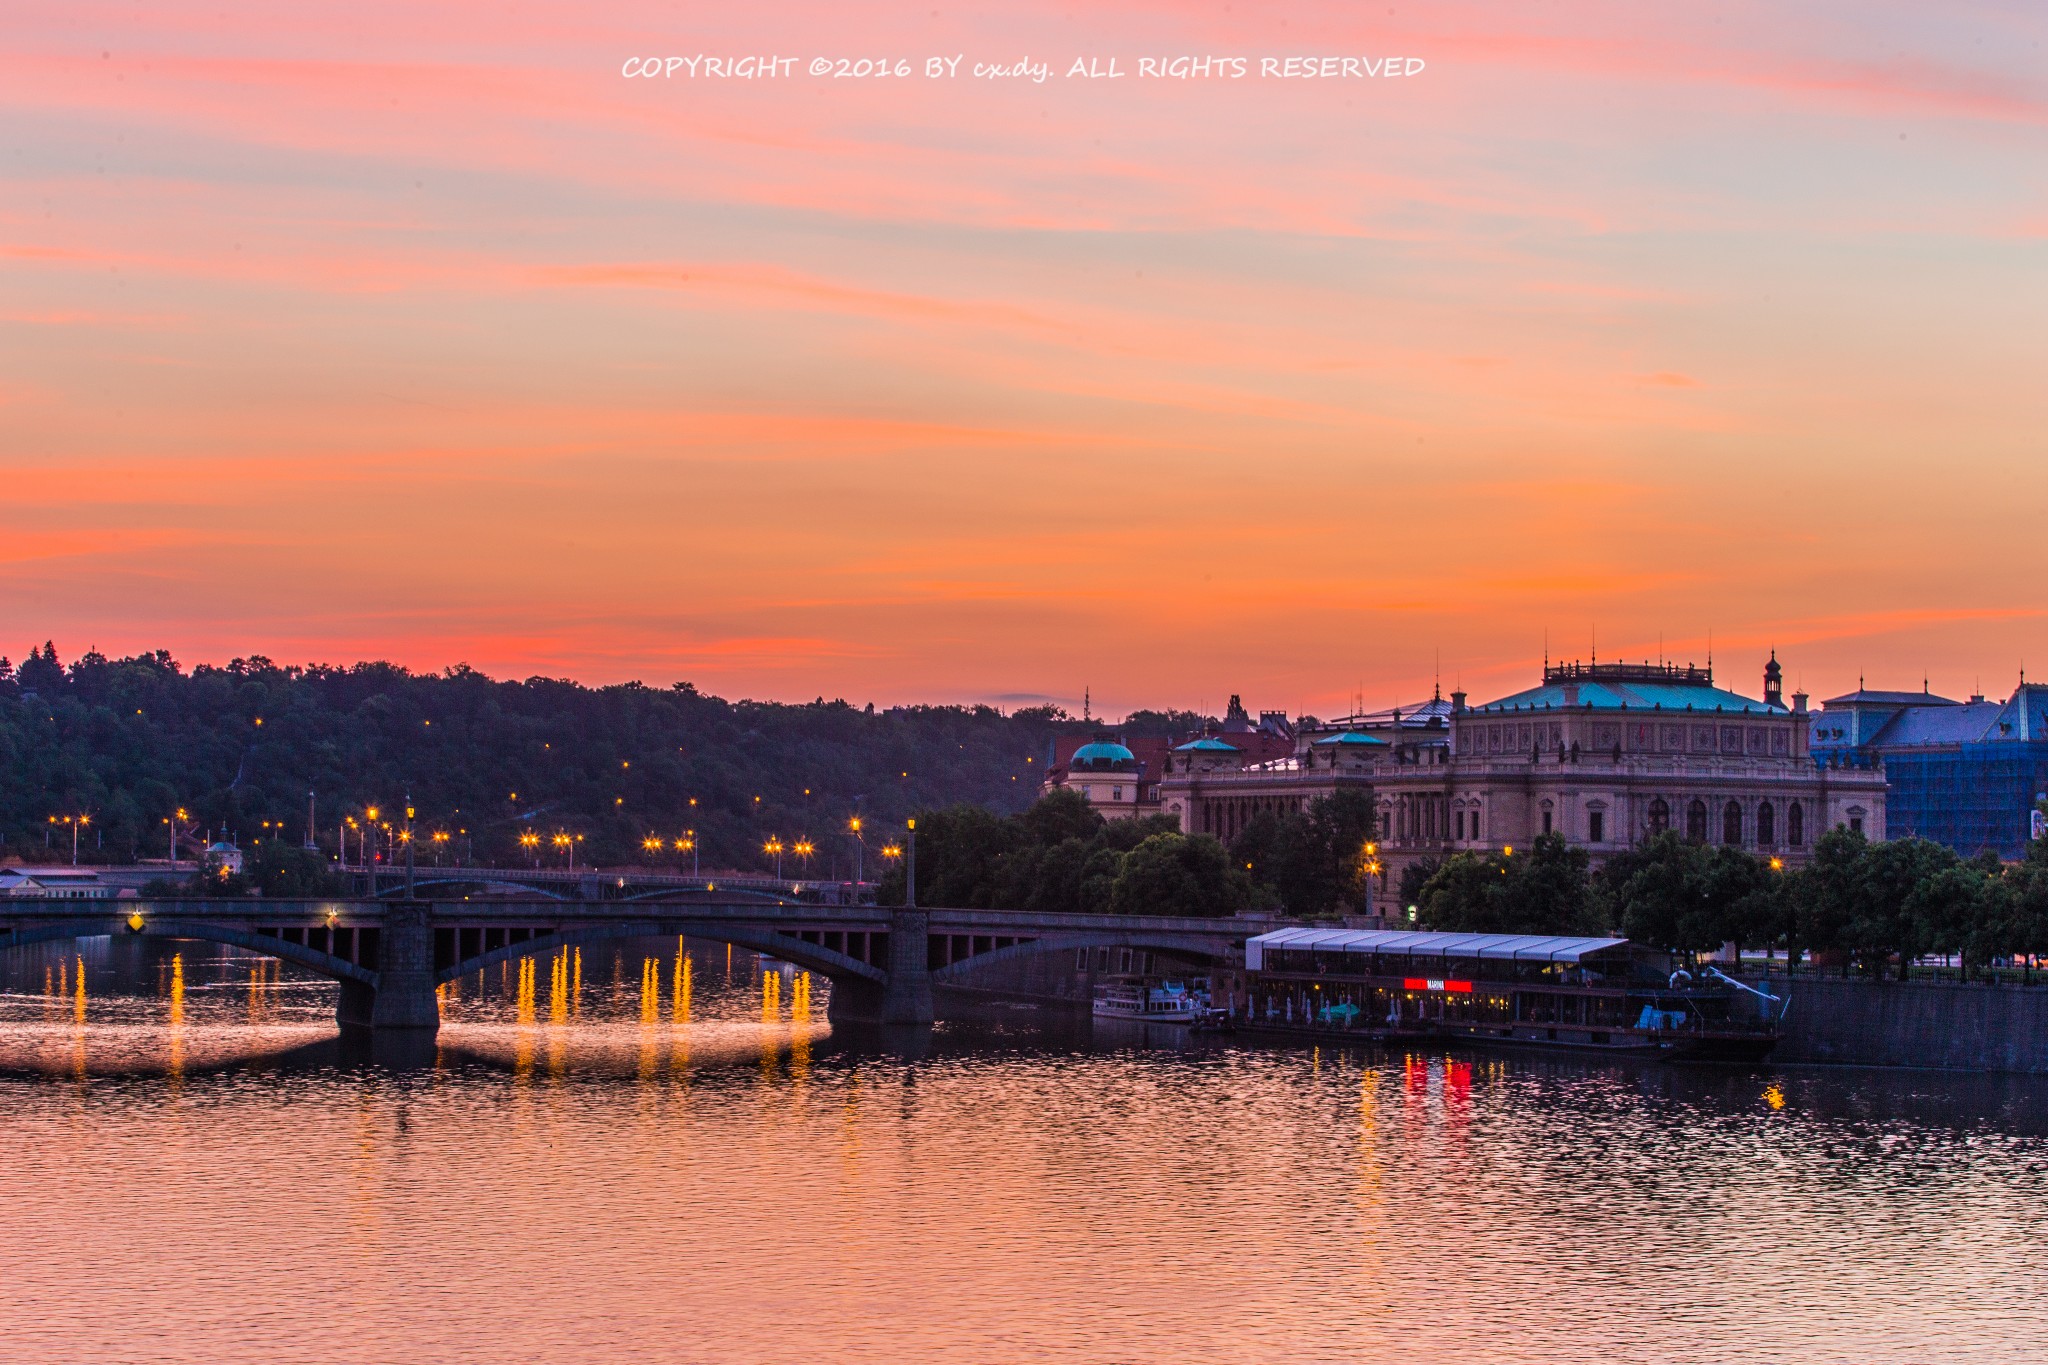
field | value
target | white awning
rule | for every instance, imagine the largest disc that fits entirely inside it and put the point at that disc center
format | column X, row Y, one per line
column 1439, row 947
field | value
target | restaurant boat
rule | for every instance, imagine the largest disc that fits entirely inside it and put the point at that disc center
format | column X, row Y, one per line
column 1136, row 998
column 1599, row 995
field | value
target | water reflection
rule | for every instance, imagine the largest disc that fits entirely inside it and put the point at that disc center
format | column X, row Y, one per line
column 1015, row 1184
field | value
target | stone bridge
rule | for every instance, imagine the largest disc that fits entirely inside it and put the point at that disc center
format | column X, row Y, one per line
column 392, row 956
column 387, row 882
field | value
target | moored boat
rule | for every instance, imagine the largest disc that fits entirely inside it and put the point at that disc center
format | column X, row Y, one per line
column 1596, row 995
column 1168, row 1002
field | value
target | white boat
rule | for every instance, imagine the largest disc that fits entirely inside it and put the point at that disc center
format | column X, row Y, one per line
column 1166, row 1003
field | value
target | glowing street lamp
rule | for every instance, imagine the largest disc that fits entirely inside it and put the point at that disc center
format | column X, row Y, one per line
column 688, row 844
column 531, row 843
column 805, row 849
column 774, row 848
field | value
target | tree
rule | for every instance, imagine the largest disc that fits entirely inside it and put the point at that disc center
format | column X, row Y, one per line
column 1544, row 890
column 1671, row 893
column 1893, row 913
column 1824, row 896
column 1179, row 874
column 1312, row 861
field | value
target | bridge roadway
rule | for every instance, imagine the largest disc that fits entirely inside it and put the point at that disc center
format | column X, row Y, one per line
column 591, row 884
column 391, row 957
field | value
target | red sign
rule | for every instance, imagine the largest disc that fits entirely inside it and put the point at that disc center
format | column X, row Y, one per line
column 1436, row 983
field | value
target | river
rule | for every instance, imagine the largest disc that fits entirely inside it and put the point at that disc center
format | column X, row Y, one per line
column 651, row 1155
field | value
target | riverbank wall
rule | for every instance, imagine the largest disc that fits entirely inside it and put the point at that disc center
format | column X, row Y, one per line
column 1859, row 1022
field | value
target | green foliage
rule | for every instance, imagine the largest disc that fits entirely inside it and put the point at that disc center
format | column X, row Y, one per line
column 1685, row 897
column 1178, row 874
column 1543, row 890
column 269, row 868
column 1061, row 857
column 128, row 741
column 1313, row 862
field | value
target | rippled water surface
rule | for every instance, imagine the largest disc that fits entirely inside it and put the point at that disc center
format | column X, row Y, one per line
column 607, row 1159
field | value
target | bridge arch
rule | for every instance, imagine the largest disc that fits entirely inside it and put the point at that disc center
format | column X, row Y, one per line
column 1183, row 945
column 537, row 889
column 313, row 959
column 835, row 966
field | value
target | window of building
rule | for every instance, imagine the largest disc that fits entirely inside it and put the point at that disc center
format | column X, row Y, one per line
column 1855, row 824
column 1459, row 819
column 1116, row 793
column 1476, row 835
column 1596, row 825
column 1124, row 960
column 1696, row 821
column 1080, row 959
column 1795, row 824
column 1731, row 824
column 1766, row 825
column 1546, row 822
column 1660, row 816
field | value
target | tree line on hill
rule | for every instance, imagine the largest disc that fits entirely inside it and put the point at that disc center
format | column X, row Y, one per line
column 129, row 742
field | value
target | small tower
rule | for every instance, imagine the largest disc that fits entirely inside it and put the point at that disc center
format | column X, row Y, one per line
column 1774, row 682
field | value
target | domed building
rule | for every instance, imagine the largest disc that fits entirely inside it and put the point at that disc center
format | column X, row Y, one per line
column 1111, row 773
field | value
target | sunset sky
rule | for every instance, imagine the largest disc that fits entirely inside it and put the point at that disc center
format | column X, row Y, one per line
column 418, row 332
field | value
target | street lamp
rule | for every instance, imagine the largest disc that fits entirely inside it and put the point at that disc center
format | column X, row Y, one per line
column 531, row 843
column 804, row 849
column 774, row 847
column 568, row 846
column 77, row 823
column 688, row 844
column 859, row 848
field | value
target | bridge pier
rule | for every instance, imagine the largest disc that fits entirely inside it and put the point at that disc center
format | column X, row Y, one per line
column 907, row 997
column 404, row 996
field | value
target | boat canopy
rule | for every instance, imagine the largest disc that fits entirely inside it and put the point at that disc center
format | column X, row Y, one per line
column 1407, row 943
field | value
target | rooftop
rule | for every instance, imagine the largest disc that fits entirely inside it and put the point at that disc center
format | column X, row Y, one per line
column 1405, row 943
column 1630, row 687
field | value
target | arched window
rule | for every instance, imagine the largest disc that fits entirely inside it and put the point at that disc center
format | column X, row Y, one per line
column 1795, row 824
column 1660, row 816
column 1731, row 824
column 1696, row 821
column 1766, row 825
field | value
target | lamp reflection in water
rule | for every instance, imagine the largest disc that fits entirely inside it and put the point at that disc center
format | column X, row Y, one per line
column 522, row 1047
column 800, row 1027
column 650, row 1015
column 177, row 1013
column 78, row 999
column 679, row 1013
column 771, row 1015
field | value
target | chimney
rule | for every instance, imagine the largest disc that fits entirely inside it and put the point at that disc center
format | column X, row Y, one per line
column 1798, row 703
column 1457, row 701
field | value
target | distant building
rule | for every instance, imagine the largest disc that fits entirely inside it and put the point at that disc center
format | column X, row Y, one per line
column 1109, row 773
column 1963, row 773
column 1605, row 755
column 224, row 855
column 1119, row 774
column 55, row 883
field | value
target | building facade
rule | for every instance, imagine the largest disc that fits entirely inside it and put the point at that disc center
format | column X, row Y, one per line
column 1969, row 774
column 1605, row 755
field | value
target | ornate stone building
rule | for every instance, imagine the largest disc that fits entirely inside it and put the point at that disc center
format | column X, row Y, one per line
column 1604, row 754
